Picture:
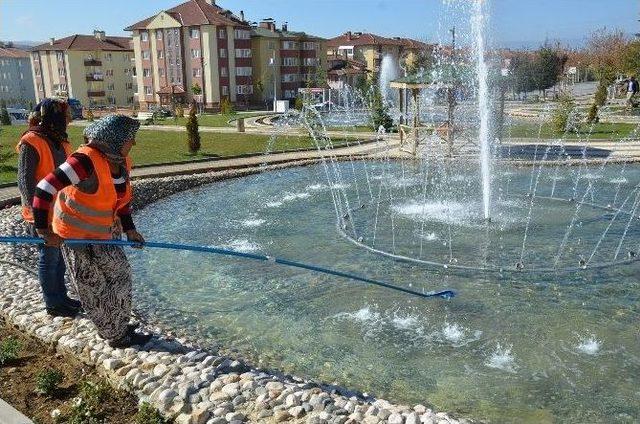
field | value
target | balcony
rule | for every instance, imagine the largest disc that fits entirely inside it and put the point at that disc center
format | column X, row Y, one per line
column 95, row 93
column 92, row 62
column 95, row 77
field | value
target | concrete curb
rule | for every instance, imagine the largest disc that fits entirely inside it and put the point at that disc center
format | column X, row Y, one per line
column 9, row 415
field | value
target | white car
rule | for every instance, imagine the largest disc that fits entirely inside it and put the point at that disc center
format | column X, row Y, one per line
column 18, row 116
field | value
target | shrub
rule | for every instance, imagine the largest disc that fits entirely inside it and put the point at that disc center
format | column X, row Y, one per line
column 87, row 407
column 299, row 104
column 592, row 115
column 193, row 135
column 564, row 116
column 179, row 112
column 9, row 350
column 47, row 381
column 601, row 93
column 90, row 116
column 4, row 114
column 147, row 414
column 226, row 108
column 380, row 113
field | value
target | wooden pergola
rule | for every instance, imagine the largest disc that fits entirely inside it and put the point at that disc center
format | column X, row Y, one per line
column 448, row 78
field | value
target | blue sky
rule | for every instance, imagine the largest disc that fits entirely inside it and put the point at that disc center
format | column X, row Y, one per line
column 512, row 22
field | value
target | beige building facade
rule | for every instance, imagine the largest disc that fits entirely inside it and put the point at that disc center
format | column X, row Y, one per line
column 196, row 51
column 285, row 61
column 95, row 69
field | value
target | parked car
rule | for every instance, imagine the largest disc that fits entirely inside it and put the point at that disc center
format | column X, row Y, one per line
column 76, row 108
column 18, row 116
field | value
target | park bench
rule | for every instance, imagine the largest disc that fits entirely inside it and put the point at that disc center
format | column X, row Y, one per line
column 145, row 118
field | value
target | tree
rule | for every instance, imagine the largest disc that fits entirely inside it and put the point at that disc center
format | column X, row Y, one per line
column 5, row 119
column 549, row 65
column 193, row 134
column 226, row 108
column 631, row 58
column 564, row 116
column 522, row 73
column 196, row 89
column 380, row 111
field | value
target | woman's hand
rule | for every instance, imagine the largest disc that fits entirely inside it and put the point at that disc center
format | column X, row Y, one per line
column 51, row 239
column 136, row 237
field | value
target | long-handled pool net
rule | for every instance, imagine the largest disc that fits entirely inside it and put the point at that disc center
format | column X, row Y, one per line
column 444, row 294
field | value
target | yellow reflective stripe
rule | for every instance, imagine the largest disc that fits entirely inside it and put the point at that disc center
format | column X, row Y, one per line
column 84, row 209
column 75, row 222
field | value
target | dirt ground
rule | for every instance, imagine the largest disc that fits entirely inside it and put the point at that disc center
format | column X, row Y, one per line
column 18, row 382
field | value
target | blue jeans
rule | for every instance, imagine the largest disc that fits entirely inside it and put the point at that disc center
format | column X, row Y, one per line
column 51, row 270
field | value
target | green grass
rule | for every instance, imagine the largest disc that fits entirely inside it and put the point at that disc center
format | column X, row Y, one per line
column 602, row 131
column 155, row 146
column 207, row 120
column 353, row 129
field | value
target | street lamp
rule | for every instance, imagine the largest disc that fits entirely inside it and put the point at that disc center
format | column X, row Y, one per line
column 272, row 62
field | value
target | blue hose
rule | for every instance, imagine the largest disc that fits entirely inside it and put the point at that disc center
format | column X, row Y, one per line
column 445, row 294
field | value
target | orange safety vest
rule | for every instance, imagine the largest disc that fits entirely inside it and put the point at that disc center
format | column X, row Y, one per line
column 79, row 215
column 45, row 163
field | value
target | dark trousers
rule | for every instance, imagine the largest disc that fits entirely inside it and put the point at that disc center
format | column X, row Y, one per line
column 51, row 269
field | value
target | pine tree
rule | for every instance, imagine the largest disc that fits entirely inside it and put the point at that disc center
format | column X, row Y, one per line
column 5, row 119
column 193, row 135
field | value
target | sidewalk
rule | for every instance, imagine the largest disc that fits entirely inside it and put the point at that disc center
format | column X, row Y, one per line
column 8, row 415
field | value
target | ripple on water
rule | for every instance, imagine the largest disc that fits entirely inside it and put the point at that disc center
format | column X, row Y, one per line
column 502, row 359
column 252, row 223
column 243, row 245
column 590, row 346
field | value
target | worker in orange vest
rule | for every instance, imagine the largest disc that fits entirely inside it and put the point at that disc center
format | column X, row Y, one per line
column 41, row 149
column 93, row 201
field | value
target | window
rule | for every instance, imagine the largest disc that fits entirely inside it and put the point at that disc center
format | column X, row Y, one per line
column 160, row 54
column 146, row 72
column 195, row 53
column 224, row 72
column 244, row 71
column 161, row 73
column 194, row 33
column 223, row 53
column 310, row 61
column 158, row 34
column 111, row 87
column 308, row 45
column 62, row 87
column 35, row 57
column 196, row 72
column 272, row 45
column 222, row 33
column 225, row 90
column 240, row 53
column 111, row 100
column 108, row 57
column 289, row 61
column 21, row 76
column 61, row 72
column 290, row 45
column 126, row 57
column 37, row 72
column 289, row 94
column 242, row 34
column 144, row 36
column 128, row 86
column 145, row 54
column 147, row 90
column 60, row 55
column 244, row 89
column 109, row 72
column 289, row 77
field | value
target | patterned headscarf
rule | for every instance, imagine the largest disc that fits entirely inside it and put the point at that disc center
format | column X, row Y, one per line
column 50, row 117
column 110, row 133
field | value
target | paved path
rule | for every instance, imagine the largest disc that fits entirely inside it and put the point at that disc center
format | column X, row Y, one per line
column 8, row 415
column 10, row 195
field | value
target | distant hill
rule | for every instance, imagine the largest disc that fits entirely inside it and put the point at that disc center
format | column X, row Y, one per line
column 23, row 44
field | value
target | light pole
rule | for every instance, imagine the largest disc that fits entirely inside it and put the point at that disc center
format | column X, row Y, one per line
column 275, row 88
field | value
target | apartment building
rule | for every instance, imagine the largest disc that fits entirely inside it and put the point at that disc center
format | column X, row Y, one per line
column 194, row 51
column 290, row 59
column 95, row 69
column 369, row 49
column 16, row 81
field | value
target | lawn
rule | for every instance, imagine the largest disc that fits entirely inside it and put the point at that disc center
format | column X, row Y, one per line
column 208, row 120
column 602, row 131
column 155, row 146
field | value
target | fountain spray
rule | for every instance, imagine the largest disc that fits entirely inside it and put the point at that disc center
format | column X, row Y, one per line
column 478, row 20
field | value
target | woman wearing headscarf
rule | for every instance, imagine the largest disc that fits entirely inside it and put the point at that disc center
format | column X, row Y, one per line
column 93, row 201
column 41, row 149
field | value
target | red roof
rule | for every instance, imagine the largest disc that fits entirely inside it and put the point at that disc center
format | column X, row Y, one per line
column 88, row 42
column 13, row 52
column 368, row 39
column 195, row 12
